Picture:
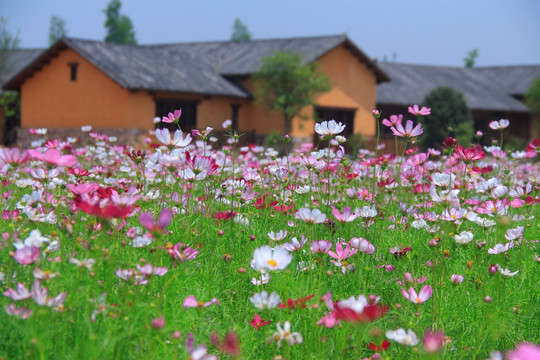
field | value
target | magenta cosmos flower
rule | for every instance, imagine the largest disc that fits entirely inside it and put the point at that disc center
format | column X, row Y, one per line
column 156, row 227
column 407, row 131
column 471, row 154
column 418, row 298
column 172, row 117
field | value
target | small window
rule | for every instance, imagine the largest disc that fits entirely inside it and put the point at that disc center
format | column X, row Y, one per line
column 73, row 70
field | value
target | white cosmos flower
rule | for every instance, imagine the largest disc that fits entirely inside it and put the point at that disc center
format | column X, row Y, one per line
column 403, row 337
column 506, row 272
column 443, row 179
column 36, row 239
column 499, row 125
column 464, row 237
column 314, row 216
column 280, row 235
column 355, row 304
column 263, row 300
column 266, row 258
column 329, row 128
column 285, row 334
column 164, row 136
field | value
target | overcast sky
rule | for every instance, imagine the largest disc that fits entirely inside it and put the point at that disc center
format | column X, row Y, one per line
column 437, row 32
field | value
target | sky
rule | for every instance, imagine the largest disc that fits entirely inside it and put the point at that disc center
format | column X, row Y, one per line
column 435, row 32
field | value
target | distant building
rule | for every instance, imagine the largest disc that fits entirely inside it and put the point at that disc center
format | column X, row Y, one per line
column 14, row 61
column 492, row 93
column 121, row 88
column 112, row 86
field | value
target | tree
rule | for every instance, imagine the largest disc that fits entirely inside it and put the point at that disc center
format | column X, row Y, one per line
column 285, row 84
column 119, row 27
column 57, row 29
column 450, row 116
column 9, row 101
column 532, row 100
column 470, row 60
column 240, row 31
column 7, row 42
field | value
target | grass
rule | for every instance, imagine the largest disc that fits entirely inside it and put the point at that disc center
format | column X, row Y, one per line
column 106, row 317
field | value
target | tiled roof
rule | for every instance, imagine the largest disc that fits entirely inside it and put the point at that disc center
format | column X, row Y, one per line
column 483, row 88
column 203, row 68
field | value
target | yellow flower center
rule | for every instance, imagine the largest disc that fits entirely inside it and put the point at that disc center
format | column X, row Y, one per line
column 272, row 262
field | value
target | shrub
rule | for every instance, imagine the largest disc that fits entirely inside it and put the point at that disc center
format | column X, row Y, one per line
column 450, row 116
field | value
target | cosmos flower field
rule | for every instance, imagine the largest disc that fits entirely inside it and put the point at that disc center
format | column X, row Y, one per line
column 182, row 249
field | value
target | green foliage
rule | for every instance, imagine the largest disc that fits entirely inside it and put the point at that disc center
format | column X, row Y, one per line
column 285, row 84
column 240, row 31
column 7, row 42
column 119, row 27
column 470, row 60
column 57, row 29
column 450, row 116
column 273, row 139
column 532, row 97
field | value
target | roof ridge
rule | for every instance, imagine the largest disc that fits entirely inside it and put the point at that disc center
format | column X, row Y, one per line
column 343, row 36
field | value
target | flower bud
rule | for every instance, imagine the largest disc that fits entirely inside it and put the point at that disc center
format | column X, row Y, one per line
column 492, row 269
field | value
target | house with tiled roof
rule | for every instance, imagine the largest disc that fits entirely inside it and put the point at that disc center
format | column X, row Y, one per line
column 121, row 88
column 492, row 93
column 115, row 86
column 12, row 62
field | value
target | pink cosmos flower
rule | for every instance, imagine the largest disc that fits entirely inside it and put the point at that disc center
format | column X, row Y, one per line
column 418, row 298
column 341, row 253
column 26, row 255
column 156, row 227
column 40, row 296
column 415, row 110
column 172, row 117
column 433, row 341
column 158, row 323
column 295, row 244
column 407, row 131
column 457, row 279
column 191, row 301
column 21, row 312
column 362, row 245
column 20, row 294
column 148, row 270
column 320, row 246
column 199, row 352
column 14, row 156
column 314, row 216
column 346, row 216
column 394, row 119
column 182, row 252
column 501, row 248
column 524, row 351
column 329, row 320
column 54, row 157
